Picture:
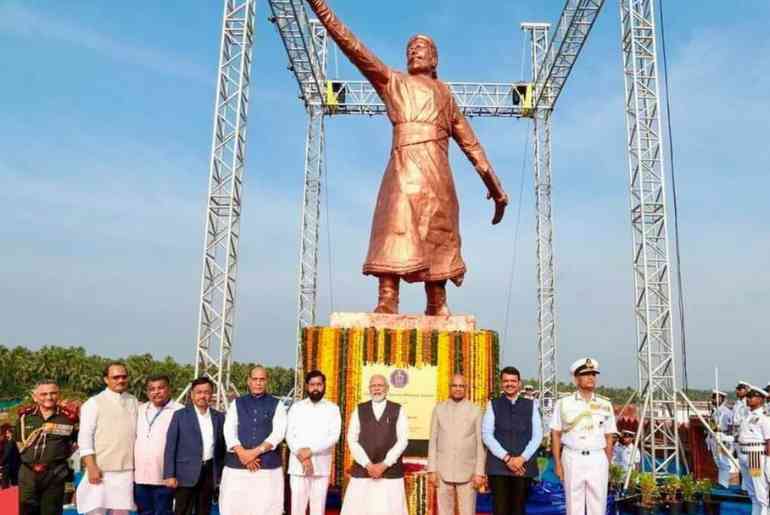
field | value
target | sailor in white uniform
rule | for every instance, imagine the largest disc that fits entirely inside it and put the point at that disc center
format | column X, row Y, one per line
column 721, row 421
column 753, row 446
column 739, row 406
column 623, row 454
column 584, row 423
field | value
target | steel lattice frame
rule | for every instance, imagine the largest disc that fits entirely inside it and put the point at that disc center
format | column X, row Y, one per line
column 552, row 63
column 223, row 211
column 546, row 290
column 652, row 286
column 483, row 99
column 575, row 23
column 307, row 294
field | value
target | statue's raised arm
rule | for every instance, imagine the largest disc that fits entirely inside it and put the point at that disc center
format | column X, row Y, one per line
column 369, row 64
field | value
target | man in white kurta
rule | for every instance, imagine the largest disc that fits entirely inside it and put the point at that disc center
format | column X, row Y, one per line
column 106, row 442
column 583, row 422
column 313, row 431
column 255, row 424
column 377, row 483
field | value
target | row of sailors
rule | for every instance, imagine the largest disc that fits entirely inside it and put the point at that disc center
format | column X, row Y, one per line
column 743, row 430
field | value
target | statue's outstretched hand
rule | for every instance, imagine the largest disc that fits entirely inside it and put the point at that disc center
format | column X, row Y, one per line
column 500, row 204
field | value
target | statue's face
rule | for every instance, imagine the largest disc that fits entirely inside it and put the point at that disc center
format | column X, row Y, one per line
column 420, row 58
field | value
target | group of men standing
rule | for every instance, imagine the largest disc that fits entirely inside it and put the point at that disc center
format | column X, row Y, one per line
column 467, row 448
column 157, row 458
column 161, row 457
column 743, row 431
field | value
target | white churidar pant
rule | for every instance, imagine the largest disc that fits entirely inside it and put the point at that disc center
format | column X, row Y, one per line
column 308, row 490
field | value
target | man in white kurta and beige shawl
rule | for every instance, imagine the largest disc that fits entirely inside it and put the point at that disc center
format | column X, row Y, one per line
column 255, row 424
column 378, row 434
column 106, row 442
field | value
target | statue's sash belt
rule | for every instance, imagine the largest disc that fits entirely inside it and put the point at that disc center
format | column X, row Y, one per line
column 412, row 133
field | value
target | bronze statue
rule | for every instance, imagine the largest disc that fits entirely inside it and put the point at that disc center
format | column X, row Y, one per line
column 415, row 230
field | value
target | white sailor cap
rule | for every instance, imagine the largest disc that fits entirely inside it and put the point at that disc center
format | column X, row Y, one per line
column 627, row 432
column 529, row 387
column 584, row 365
column 742, row 384
column 718, row 392
column 752, row 389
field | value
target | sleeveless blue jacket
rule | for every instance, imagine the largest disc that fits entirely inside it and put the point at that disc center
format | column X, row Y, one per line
column 255, row 423
column 513, row 430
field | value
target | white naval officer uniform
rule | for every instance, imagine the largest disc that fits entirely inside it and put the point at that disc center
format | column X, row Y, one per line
column 584, row 426
column 752, row 437
column 722, row 418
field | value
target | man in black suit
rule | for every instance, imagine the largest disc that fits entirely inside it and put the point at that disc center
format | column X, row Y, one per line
column 195, row 451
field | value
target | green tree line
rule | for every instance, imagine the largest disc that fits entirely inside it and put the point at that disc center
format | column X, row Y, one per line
column 80, row 374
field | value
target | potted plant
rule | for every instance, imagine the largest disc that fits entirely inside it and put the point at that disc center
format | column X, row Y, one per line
column 649, row 494
column 669, row 491
column 616, row 477
column 687, row 485
column 710, row 506
column 623, row 499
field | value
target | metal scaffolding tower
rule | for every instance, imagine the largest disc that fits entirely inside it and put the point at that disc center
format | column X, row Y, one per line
column 652, row 286
column 546, row 309
column 223, row 211
column 551, row 66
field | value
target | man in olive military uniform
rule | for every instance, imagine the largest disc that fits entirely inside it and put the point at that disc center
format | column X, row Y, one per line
column 46, row 433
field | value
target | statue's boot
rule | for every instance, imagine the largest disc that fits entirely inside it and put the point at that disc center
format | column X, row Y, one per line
column 435, row 292
column 387, row 300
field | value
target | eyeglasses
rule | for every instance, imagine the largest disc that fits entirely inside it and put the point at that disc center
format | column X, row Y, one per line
column 458, row 386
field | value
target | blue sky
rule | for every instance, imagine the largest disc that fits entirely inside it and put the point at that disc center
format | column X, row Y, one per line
column 104, row 166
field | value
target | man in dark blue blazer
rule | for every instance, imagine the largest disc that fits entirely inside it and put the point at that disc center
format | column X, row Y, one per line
column 195, row 451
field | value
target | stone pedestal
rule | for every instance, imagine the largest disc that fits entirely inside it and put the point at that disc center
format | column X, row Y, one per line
column 464, row 323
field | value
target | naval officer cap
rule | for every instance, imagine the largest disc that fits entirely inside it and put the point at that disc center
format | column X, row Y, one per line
column 718, row 392
column 742, row 384
column 584, row 366
column 756, row 390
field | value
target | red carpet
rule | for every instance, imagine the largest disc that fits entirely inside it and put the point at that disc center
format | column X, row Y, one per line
column 9, row 501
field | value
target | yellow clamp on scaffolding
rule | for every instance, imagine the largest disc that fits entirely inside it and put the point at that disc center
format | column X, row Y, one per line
column 331, row 97
column 526, row 99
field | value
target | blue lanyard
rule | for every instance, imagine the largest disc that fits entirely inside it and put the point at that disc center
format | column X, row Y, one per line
column 151, row 422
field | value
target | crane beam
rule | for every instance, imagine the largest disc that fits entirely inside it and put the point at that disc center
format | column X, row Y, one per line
column 484, row 99
column 575, row 24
